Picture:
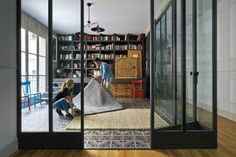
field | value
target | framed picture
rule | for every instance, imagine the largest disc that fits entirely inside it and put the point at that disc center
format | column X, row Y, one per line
column 54, row 48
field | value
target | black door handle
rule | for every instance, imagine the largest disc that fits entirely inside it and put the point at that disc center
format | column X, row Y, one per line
column 195, row 75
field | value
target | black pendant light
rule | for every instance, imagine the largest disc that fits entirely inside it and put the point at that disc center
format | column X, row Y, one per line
column 97, row 29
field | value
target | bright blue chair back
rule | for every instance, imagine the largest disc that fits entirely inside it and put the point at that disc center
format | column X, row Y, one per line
column 26, row 87
column 34, row 97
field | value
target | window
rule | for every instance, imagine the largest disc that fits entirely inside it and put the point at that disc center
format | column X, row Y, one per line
column 42, row 63
column 23, row 55
column 33, row 60
column 33, row 69
column 32, row 43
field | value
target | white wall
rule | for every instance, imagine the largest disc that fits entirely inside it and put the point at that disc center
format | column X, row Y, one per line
column 227, row 58
column 31, row 24
column 8, row 139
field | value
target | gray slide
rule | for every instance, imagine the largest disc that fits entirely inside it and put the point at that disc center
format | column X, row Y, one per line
column 96, row 99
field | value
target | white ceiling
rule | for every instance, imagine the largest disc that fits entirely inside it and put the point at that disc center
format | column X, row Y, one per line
column 116, row 16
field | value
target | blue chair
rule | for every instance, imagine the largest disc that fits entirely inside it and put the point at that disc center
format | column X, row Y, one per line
column 25, row 101
column 34, row 98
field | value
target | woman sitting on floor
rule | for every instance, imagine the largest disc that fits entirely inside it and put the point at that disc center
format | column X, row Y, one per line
column 63, row 100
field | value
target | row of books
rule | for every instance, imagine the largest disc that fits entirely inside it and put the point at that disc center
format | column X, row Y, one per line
column 77, row 36
column 65, row 56
column 135, row 47
column 65, row 38
column 121, row 47
column 107, row 56
column 93, row 47
column 87, row 37
column 97, row 48
column 107, row 47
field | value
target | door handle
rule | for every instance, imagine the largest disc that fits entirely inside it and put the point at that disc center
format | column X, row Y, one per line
column 195, row 76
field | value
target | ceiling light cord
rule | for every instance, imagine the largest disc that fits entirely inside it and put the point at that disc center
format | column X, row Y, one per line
column 89, row 24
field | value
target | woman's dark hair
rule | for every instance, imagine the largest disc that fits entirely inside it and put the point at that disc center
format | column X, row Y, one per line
column 97, row 60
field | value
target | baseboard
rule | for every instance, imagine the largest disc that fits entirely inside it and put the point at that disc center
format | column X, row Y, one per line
column 223, row 113
column 9, row 149
column 226, row 114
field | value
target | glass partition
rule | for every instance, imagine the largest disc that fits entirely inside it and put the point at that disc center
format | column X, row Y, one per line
column 66, row 68
column 178, row 63
column 47, row 32
column 183, row 47
column 204, row 64
column 199, row 65
column 163, row 94
column 189, row 62
column 34, row 56
column 159, row 108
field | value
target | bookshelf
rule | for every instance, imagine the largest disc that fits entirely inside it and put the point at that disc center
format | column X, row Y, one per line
column 106, row 47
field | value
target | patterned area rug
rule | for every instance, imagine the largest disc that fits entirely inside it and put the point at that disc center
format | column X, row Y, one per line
column 123, row 119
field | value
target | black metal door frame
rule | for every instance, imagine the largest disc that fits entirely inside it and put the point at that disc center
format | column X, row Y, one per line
column 49, row 139
column 178, row 137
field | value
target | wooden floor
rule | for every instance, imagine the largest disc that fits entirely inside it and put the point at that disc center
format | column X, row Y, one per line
column 226, row 148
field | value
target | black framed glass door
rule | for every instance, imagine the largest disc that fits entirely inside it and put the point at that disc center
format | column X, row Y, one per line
column 41, row 26
column 183, row 67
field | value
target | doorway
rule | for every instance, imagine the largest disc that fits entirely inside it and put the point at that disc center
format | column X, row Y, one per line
column 184, row 47
column 180, row 107
column 39, row 126
column 68, row 55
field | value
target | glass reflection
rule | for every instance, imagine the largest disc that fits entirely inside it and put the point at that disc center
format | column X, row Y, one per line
column 163, row 97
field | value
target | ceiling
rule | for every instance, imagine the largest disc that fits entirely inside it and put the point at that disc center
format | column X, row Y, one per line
column 116, row 16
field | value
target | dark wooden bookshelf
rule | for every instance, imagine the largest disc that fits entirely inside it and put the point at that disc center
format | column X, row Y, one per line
column 106, row 47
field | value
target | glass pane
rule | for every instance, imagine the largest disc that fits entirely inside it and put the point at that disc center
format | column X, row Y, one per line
column 32, row 42
column 67, row 65
column 164, row 104
column 163, row 45
column 158, row 123
column 166, row 68
column 23, row 78
column 189, row 61
column 23, row 39
column 167, row 57
column 42, row 84
column 42, row 46
column 34, row 17
column 158, row 5
column 32, row 67
column 23, row 63
column 178, row 62
column 157, row 69
column 204, row 63
column 42, row 66
column 33, row 83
